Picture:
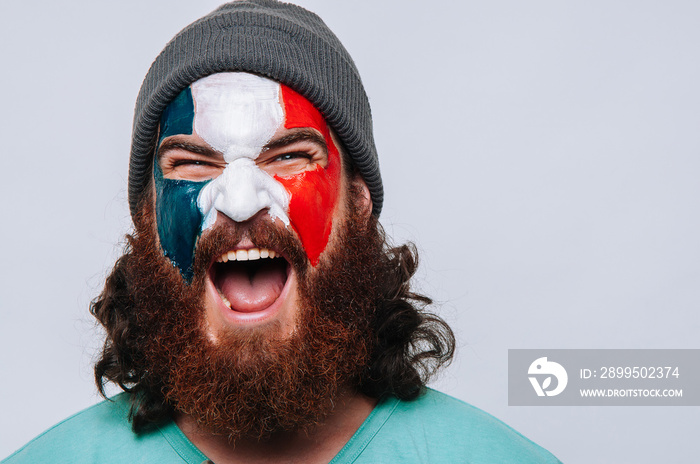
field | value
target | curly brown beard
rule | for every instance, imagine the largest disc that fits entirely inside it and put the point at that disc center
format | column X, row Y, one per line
column 255, row 382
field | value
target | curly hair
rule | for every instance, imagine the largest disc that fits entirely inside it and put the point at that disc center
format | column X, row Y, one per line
column 408, row 345
column 411, row 344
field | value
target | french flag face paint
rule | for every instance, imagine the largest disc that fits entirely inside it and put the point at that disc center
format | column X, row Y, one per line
column 313, row 193
column 237, row 115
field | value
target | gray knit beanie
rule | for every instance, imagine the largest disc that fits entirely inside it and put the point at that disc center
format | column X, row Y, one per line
column 278, row 40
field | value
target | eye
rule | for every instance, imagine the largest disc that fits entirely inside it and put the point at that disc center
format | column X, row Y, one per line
column 180, row 164
column 190, row 162
column 287, row 163
column 296, row 155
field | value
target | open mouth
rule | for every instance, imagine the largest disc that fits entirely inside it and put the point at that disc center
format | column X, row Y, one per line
column 250, row 280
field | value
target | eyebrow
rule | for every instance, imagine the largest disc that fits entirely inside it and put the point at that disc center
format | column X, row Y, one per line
column 193, row 148
column 302, row 135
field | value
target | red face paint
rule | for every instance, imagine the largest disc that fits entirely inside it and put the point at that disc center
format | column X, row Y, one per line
column 313, row 193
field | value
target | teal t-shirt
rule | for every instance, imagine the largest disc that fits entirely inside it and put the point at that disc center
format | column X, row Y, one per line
column 433, row 429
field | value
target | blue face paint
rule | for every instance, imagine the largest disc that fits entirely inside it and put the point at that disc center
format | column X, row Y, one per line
column 178, row 217
column 178, row 116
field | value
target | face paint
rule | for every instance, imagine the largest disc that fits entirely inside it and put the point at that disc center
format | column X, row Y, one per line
column 178, row 116
column 314, row 193
column 237, row 114
column 177, row 216
column 179, row 219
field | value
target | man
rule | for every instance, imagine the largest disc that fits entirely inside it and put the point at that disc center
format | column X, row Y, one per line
column 258, row 314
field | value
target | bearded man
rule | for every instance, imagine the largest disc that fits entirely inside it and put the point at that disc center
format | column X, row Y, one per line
column 258, row 314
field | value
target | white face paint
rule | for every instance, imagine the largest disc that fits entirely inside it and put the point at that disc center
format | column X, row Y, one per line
column 237, row 114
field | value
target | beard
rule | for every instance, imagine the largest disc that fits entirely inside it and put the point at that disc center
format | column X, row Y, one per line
column 253, row 382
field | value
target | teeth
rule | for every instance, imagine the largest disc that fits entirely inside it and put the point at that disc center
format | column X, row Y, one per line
column 246, row 255
column 225, row 300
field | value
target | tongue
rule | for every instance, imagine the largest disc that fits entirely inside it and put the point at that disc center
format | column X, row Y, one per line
column 249, row 287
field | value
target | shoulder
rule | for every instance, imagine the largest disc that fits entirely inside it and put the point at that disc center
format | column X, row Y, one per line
column 101, row 433
column 440, row 428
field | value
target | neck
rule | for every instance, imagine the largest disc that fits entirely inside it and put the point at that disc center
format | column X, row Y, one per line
column 318, row 445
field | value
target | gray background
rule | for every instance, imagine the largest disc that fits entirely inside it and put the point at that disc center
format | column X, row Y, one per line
column 542, row 154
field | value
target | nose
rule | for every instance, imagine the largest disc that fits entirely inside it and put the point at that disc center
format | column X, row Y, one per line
column 240, row 193
column 243, row 190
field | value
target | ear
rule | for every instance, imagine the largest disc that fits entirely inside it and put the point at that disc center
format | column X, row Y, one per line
column 364, row 198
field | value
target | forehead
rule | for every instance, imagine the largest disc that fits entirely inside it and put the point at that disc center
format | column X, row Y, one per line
column 236, row 109
column 240, row 110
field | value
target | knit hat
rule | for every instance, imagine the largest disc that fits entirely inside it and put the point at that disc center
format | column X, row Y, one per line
column 277, row 40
